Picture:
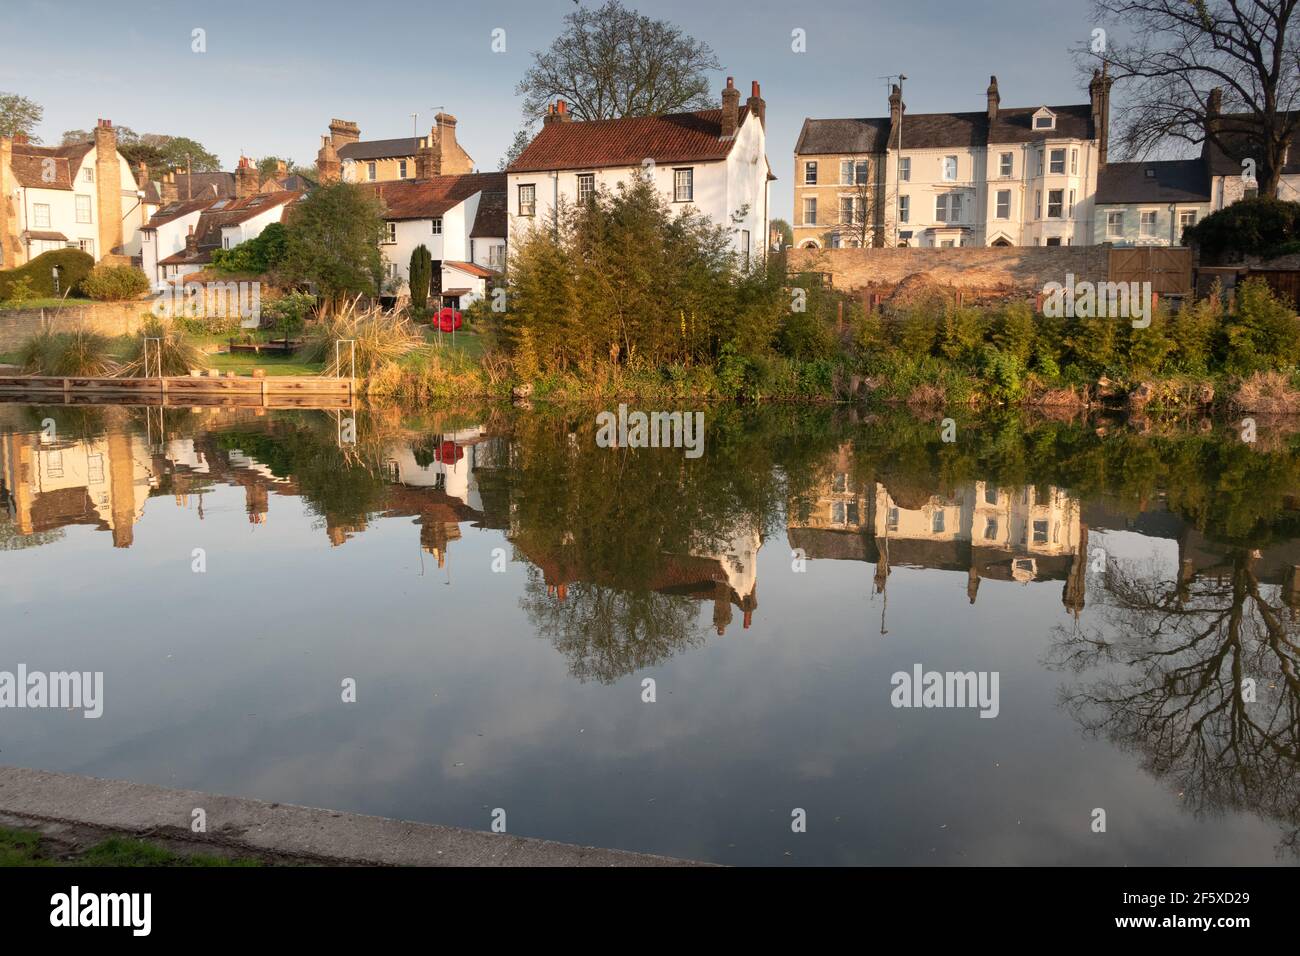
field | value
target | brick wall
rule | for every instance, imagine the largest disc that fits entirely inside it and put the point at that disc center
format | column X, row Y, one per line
column 107, row 318
column 972, row 267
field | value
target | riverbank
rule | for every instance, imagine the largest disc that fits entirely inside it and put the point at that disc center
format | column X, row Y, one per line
column 71, row 809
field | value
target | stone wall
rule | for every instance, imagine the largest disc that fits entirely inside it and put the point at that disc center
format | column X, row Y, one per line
column 107, row 318
column 970, row 267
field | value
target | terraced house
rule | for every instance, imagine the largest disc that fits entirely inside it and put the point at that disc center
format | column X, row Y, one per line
column 345, row 155
column 1017, row 176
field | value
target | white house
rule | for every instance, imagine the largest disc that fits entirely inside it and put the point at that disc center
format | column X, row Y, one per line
column 461, row 220
column 1150, row 203
column 82, row 195
column 1229, row 178
column 711, row 160
column 180, row 238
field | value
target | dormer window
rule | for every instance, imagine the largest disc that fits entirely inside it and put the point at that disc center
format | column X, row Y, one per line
column 1044, row 119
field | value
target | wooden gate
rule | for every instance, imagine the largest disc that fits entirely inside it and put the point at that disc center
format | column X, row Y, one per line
column 1285, row 283
column 1169, row 270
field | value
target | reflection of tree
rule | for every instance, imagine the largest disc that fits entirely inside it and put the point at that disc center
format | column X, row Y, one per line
column 608, row 632
column 1172, row 688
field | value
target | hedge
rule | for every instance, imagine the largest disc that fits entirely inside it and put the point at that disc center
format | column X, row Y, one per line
column 74, row 265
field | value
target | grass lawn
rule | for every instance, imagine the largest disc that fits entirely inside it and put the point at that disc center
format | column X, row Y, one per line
column 245, row 362
column 44, row 304
column 27, row 848
column 468, row 343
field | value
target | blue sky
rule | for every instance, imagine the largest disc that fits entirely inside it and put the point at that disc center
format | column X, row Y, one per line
column 275, row 72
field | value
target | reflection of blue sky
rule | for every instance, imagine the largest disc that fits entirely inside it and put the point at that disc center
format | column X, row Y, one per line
column 229, row 682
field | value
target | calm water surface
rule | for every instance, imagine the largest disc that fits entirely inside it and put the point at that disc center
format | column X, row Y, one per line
column 500, row 589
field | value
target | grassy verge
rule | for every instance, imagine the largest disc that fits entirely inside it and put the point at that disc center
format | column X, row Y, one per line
column 28, row 848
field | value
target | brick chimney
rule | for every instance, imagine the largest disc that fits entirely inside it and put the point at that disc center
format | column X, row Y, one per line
column 994, row 99
column 246, row 179
column 9, row 246
column 191, row 242
column 896, row 110
column 428, row 156
column 142, row 174
column 343, row 132
column 108, row 188
column 756, row 104
column 1213, row 118
column 1099, row 92
column 730, row 108
column 449, row 151
column 21, row 139
column 168, row 188
column 328, row 167
column 562, row 114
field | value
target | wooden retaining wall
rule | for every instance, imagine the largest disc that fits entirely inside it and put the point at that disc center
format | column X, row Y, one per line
column 281, row 391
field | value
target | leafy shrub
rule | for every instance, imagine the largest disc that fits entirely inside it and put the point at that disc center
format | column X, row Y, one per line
column 115, row 283
column 255, row 256
column 1263, row 332
column 21, row 291
column 1261, row 226
column 73, row 266
column 1193, row 329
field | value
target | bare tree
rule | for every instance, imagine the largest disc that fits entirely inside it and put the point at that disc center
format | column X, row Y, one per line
column 614, row 62
column 1182, row 52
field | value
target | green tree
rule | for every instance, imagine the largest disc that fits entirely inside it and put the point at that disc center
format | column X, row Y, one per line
column 257, row 255
column 421, row 276
column 613, row 62
column 18, row 114
column 332, row 241
column 787, row 234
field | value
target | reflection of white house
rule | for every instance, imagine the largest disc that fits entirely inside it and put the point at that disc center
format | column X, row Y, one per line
column 739, row 559
column 1011, row 520
column 451, row 471
column 103, row 482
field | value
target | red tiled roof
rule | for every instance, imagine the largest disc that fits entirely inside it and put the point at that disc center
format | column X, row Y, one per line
column 471, row 268
column 591, row 144
column 175, row 210
column 30, row 164
column 427, row 198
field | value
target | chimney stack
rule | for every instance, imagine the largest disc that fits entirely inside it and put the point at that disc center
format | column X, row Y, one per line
column 246, row 178
column 1213, row 118
column 559, row 113
column 9, row 246
column 1099, row 92
column 108, row 188
column 994, row 100
column 428, row 156
column 191, row 242
column 756, row 104
column 343, row 132
column 896, row 110
column 21, row 139
column 328, row 167
column 168, row 188
column 730, row 109
column 449, row 151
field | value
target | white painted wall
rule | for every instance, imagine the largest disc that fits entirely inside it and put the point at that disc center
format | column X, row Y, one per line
column 721, row 188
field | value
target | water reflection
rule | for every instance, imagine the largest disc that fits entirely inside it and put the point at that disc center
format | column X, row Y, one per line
column 1176, row 549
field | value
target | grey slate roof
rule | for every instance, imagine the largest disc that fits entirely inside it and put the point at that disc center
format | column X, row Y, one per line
column 827, row 136
column 942, row 130
column 1175, row 180
column 1229, row 163
column 380, row 149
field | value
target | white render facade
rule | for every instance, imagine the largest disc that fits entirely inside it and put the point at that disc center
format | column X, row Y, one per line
column 724, row 176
